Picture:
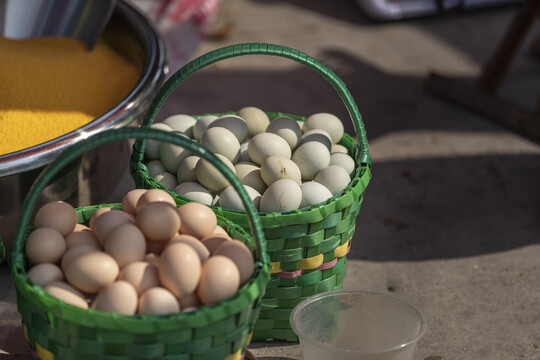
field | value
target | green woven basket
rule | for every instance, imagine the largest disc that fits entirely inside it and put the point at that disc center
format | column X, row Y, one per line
column 308, row 246
column 56, row 330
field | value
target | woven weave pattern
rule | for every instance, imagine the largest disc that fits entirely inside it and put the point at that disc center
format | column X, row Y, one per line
column 56, row 330
column 307, row 247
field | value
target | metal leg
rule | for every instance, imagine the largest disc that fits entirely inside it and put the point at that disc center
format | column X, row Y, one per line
column 481, row 95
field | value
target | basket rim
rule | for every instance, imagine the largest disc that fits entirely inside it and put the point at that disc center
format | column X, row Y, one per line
column 142, row 323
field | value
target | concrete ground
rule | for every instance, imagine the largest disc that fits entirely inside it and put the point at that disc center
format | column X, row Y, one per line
column 451, row 218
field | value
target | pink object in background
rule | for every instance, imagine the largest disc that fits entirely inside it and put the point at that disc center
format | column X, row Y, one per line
column 182, row 23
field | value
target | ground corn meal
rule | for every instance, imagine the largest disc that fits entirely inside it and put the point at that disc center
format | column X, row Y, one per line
column 51, row 86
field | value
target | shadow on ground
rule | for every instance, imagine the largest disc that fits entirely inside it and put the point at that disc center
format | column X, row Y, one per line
column 445, row 208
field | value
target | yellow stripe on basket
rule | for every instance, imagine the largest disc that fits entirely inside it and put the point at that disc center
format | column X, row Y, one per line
column 248, row 340
column 342, row 249
column 276, row 267
column 43, row 353
column 236, row 356
column 25, row 332
column 310, row 263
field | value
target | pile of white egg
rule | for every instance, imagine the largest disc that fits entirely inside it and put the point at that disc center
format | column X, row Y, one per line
column 284, row 164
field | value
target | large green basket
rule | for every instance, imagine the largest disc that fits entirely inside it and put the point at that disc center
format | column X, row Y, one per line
column 308, row 246
column 56, row 330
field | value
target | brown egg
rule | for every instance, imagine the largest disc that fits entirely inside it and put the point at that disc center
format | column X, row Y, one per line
column 129, row 202
column 159, row 221
column 192, row 241
column 96, row 214
column 80, row 227
column 179, row 269
column 67, row 293
column 74, row 252
column 197, row 219
column 119, row 297
column 82, row 237
column 142, row 275
column 238, row 252
column 219, row 280
column 126, row 244
column 151, row 257
column 189, row 301
column 58, row 215
column 109, row 220
column 158, row 301
column 213, row 241
column 45, row 273
column 155, row 247
column 220, row 230
column 45, row 245
column 154, row 195
column 92, row 271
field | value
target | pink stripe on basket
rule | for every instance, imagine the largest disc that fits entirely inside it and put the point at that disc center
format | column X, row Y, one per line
column 328, row 265
column 33, row 354
column 289, row 274
column 297, row 273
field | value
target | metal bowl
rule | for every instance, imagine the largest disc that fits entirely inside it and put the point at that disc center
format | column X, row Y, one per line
column 131, row 34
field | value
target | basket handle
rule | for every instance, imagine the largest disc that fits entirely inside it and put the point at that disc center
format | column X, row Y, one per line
column 131, row 133
column 259, row 49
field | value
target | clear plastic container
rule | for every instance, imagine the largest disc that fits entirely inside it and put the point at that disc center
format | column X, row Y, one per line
column 359, row 325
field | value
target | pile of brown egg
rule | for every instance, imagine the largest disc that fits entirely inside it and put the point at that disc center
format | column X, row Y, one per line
column 150, row 257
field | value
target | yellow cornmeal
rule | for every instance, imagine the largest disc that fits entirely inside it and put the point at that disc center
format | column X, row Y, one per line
column 51, row 86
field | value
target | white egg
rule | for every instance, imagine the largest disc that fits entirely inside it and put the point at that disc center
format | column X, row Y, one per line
column 171, row 155
column 338, row 148
column 255, row 118
column 287, row 128
column 314, row 193
column 151, row 151
column 234, row 124
column 155, row 167
column 181, row 122
column 229, row 198
column 328, row 122
column 244, row 156
column 250, row 175
column 343, row 160
column 186, row 169
column 194, row 191
column 208, row 175
column 167, row 180
column 311, row 158
column 334, row 177
column 282, row 195
column 215, row 200
column 222, row 141
column 274, row 168
column 319, row 135
column 200, row 126
column 264, row 145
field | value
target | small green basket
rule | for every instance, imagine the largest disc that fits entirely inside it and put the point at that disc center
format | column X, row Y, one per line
column 56, row 330
column 307, row 247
